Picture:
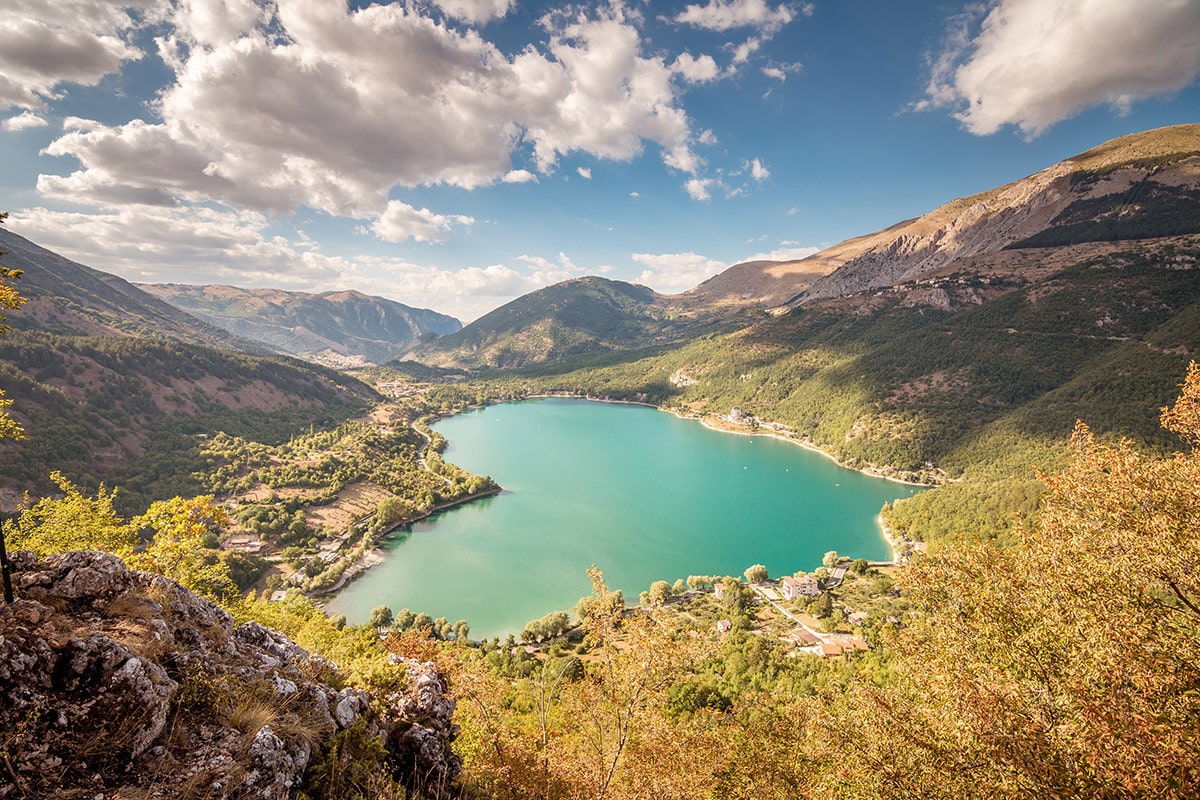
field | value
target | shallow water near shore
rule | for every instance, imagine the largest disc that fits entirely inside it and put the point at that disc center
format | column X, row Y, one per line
column 640, row 493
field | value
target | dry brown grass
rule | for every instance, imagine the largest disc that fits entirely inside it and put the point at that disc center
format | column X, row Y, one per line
column 292, row 718
column 132, row 605
column 141, row 638
column 1149, row 144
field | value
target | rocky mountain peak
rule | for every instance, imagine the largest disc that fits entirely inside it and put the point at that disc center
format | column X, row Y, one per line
column 1138, row 186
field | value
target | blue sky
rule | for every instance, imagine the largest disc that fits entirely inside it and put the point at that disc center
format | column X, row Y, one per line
column 454, row 154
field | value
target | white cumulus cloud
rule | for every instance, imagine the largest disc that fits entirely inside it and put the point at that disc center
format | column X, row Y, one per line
column 723, row 15
column 1033, row 63
column 24, row 121
column 780, row 72
column 743, row 51
column 203, row 245
column 475, row 11
column 584, row 172
column 758, row 171
column 215, row 22
column 696, row 69
column 698, row 188
column 320, row 106
column 519, row 176
column 671, row 273
column 46, row 43
column 787, row 251
column 400, row 222
column 149, row 244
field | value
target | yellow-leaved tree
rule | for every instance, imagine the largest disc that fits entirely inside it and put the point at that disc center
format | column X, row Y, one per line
column 9, row 299
column 596, row 727
column 1065, row 666
column 74, row 521
column 172, row 537
column 181, row 529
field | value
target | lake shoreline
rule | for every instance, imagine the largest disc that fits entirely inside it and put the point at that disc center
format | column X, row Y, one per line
column 776, row 519
column 726, row 425
column 375, row 556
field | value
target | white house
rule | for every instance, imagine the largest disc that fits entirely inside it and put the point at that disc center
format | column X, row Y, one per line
column 805, row 586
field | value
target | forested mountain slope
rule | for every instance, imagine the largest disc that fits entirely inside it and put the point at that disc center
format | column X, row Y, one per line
column 71, row 299
column 114, row 385
column 341, row 329
column 132, row 411
column 576, row 319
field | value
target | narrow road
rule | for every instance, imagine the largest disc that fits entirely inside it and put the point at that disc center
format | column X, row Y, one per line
column 421, row 455
column 761, row 591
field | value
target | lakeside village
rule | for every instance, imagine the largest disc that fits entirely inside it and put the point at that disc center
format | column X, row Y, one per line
column 305, row 520
column 834, row 611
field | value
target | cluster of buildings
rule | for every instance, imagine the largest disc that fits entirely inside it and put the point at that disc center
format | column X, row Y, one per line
column 804, row 587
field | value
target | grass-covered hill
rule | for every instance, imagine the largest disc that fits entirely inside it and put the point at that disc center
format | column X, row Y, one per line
column 71, row 299
column 577, row 319
column 111, row 384
column 343, row 328
column 134, row 412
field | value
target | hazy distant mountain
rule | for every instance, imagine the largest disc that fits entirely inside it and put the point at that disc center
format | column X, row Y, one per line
column 68, row 298
column 579, row 318
column 334, row 328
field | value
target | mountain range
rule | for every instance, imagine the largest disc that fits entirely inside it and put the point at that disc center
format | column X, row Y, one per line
column 1138, row 187
column 942, row 344
column 338, row 328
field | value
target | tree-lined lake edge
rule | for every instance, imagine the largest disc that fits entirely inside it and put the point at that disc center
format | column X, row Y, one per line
column 574, row 466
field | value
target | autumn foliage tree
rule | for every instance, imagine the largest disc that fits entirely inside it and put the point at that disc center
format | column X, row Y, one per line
column 74, row 521
column 604, row 733
column 1065, row 666
column 9, row 299
column 179, row 529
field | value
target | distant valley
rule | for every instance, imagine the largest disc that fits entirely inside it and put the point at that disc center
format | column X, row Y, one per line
column 956, row 350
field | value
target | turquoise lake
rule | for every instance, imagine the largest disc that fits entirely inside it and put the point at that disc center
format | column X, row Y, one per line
column 638, row 492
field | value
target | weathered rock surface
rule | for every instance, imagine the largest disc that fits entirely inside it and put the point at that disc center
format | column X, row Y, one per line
column 119, row 683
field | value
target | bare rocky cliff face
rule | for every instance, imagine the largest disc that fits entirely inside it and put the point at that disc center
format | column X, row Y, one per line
column 1153, row 174
column 1119, row 179
column 122, row 684
column 969, row 227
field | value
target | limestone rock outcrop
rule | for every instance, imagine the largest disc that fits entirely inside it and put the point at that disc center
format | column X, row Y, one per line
column 119, row 683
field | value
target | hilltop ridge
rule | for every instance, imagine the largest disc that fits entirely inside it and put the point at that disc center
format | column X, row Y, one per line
column 68, row 298
column 579, row 318
column 341, row 328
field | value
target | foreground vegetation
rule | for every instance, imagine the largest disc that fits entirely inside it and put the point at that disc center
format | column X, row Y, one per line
column 1063, row 665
